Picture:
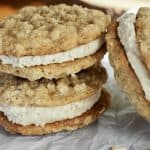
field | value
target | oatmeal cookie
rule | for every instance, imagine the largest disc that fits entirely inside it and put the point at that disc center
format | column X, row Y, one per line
column 35, row 31
column 46, row 92
column 124, row 74
column 67, row 125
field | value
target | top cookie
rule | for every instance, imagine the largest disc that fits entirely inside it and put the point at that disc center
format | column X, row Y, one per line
column 50, row 29
column 143, row 34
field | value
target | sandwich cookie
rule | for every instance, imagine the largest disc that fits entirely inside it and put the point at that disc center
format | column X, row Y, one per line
column 37, row 42
column 127, row 43
column 68, row 103
column 65, row 125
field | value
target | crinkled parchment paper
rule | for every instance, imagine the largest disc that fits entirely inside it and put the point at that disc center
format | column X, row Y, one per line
column 119, row 126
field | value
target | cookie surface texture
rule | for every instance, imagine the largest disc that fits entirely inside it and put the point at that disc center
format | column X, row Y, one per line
column 35, row 31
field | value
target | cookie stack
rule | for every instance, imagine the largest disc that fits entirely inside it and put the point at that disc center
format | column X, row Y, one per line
column 51, row 79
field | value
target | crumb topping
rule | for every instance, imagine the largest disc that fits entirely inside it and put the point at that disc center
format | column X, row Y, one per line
column 18, row 90
column 49, row 29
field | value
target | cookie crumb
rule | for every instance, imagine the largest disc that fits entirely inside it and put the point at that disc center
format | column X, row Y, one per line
column 117, row 148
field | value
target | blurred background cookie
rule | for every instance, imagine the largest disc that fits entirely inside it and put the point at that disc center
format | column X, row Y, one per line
column 117, row 7
column 125, row 56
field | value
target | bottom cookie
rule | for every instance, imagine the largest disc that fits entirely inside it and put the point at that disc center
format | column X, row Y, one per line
column 65, row 125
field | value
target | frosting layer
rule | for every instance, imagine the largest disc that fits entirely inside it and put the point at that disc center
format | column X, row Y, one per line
column 39, row 116
column 70, row 55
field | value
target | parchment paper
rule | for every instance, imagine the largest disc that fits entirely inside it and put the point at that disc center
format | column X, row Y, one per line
column 119, row 126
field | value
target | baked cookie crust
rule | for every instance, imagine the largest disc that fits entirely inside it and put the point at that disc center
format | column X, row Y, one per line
column 143, row 34
column 124, row 74
column 35, row 31
column 54, row 71
column 44, row 92
column 67, row 125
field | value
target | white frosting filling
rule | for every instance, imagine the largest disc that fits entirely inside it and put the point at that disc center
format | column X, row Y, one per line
column 27, row 115
column 127, row 35
column 69, row 55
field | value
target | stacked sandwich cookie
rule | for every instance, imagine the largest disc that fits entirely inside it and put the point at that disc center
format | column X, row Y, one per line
column 51, row 79
column 128, row 41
